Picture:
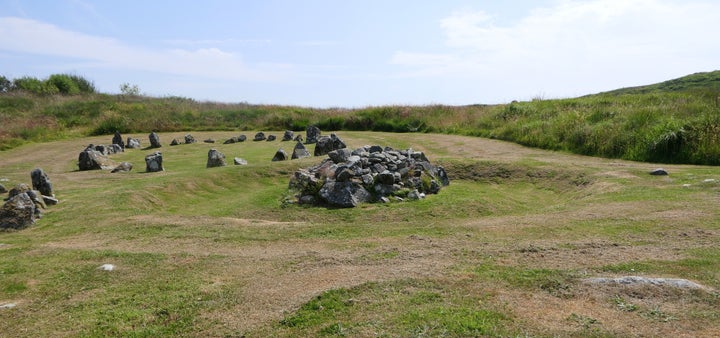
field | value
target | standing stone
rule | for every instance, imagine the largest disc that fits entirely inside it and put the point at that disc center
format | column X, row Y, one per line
column 174, row 142
column 132, row 143
column 327, row 144
column 288, row 136
column 189, row 139
column 300, row 151
column 215, row 159
column 41, row 182
column 153, row 162
column 117, row 139
column 154, row 140
column 280, row 155
column 312, row 134
column 260, row 136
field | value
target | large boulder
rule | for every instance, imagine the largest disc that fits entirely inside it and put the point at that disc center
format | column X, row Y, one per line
column 91, row 159
column 215, row 159
column 41, row 182
column 153, row 162
column 300, row 151
column 288, row 135
column 345, row 194
column 312, row 134
column 19, row 212
column 154, row 140
column 326, row 144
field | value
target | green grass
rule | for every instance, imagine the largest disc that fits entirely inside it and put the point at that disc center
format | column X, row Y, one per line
column 217, row 252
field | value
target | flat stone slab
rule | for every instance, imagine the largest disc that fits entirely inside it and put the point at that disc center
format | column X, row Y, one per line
column 636, row 280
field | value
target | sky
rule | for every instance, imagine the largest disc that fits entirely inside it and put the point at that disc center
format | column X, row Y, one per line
column 359, row 53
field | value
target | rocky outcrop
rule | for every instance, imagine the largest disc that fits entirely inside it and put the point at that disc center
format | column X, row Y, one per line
column 326, row 144
column 215, row 159
column 154, row 140
column 368, row 174
column 153, row 162
column 312, row 134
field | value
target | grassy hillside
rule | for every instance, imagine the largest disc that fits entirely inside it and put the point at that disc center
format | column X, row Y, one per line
column 503, row 251
column 677, row 121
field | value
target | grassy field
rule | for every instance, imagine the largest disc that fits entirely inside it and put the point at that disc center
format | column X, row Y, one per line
column 503, row 251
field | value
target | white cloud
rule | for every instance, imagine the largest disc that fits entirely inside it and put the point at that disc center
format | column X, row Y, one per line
column 577, row 45
column 20, row 35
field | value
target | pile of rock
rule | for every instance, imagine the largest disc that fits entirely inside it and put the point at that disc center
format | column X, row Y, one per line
column 24, row 205
column 368, row 174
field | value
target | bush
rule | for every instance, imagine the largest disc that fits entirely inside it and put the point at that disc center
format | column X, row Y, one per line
column 64, row 83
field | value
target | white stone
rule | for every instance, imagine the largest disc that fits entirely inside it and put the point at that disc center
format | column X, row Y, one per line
column 107, row 267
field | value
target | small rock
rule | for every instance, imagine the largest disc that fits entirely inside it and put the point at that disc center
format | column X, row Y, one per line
column 8, row 306
column 260, row 137
column 240, row 161
column 123, row 167
column 280, row 155
column 271, row 138
column 209, row 141
column 174, row 142
column 659, row 172
column 107, row 267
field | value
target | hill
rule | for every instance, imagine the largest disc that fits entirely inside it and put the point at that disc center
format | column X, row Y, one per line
column 705, row 81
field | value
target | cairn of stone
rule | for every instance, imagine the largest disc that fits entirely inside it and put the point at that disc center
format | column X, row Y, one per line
column 153, row 162
column 312, row 134
column 368, row 174
column 215, row 159
column 154, row 140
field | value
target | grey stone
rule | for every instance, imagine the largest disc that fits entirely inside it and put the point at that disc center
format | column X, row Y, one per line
column 154, row 140
column 133, row 143
column 280, row 155
column 231, row 140
column 271, row 138
column 175, row 142
column 344, row 194
column 300, row 151
column 91, row 159
column 123, row 167
column 242, row 138
column 215, row 159
column 636, row 280
column 153, row 162
column 19, row 212
column 2, row 189
column 189, row 139
column 209, row 140
column 260, row 137
column 659, row 172
column 326, row 144
column 288, row 135
column 41, row 182
column 298, row 138
column 340, row 155
column 240, row 161
column 118, row 139
column 312, row 134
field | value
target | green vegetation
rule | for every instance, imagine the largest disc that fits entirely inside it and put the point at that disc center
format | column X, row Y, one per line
column 677, row 121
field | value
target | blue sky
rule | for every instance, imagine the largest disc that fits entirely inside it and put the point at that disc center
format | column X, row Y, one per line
column 356, row 53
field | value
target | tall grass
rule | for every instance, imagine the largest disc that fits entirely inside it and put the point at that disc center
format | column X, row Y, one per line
column 656, row 126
